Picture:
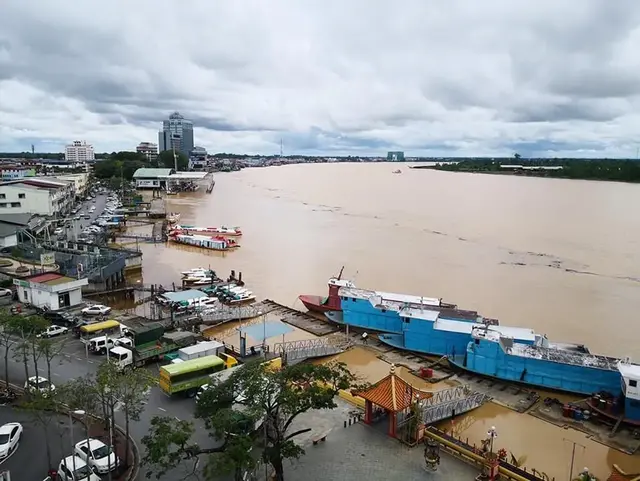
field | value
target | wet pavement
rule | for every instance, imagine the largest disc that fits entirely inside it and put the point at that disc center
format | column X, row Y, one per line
column 362, row 452
column 29, row 461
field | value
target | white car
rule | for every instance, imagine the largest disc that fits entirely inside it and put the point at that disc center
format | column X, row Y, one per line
column 73, row 468
column 10, row 435
column 97, row 455
column 6, row 292
column 53, row 330
column 96, row 310
column 58, row 231
column 39, row 384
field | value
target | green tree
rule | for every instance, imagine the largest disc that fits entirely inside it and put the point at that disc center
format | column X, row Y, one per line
column 253, row 395
column 166, row 160
column 42, row 408
column 9, row 333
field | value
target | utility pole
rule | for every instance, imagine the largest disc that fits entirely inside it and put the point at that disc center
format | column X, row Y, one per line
column 573, row 454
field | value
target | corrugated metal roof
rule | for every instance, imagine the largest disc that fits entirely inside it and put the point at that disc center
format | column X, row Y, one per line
column 42, row 278
column 180, row 296
column 146, row 172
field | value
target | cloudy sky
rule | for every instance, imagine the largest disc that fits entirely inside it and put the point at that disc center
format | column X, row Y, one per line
column 467, row 77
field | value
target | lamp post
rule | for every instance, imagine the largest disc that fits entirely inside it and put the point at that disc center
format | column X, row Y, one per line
column 79, row 412
column 492, row 434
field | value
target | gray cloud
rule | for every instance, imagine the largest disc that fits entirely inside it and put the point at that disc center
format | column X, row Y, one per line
column 429, row 77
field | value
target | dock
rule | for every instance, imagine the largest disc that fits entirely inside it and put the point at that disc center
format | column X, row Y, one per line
column 228, row 313
column 157, row 209
column 301, row 320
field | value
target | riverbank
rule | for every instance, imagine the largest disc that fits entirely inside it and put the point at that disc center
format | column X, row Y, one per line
column 606, row 170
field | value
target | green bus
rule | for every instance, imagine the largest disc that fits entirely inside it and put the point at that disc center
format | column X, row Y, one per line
column 186, row 377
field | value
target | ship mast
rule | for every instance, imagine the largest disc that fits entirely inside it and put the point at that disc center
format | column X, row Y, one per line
column 340, row 275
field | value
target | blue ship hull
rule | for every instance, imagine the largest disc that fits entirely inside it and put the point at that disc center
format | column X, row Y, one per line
column 488, row 358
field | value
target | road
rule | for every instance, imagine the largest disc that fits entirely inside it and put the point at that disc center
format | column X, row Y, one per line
column 75, row 362
column 77, row 225
column 29, row 461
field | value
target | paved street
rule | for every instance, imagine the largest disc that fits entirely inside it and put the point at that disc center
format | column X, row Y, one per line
column 78, row 225
column 29, row 461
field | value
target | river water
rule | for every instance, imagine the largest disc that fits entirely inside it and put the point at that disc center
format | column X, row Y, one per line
column 560, row 256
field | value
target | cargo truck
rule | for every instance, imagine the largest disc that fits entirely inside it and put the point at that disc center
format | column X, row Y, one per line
column 138, row 355
column 144, row 334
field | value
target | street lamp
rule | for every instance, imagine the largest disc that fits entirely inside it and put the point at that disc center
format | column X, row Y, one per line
column 492, row 434
column 79, row 412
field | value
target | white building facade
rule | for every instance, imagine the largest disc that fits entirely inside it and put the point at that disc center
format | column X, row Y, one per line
column 148, row 149
column 79, row 152
column 35, row 196
column 80, row 182
column 50, row 290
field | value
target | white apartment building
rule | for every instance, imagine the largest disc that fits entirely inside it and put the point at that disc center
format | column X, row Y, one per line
column 79, row 152
column 148, row 149
column 37, row 196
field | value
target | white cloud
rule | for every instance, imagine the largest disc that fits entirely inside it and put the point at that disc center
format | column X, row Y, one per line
column 355, row 76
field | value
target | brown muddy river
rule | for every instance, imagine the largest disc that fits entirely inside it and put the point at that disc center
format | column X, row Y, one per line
column 560, row 256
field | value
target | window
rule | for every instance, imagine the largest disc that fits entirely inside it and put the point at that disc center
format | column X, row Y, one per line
column 3, row 196
column 15, row 204
column 21, row 196
column 407, row 320
column 3, row 204
column 633, row 383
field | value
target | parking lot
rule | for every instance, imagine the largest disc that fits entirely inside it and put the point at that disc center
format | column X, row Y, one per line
column 85, row 223
column 29, row 461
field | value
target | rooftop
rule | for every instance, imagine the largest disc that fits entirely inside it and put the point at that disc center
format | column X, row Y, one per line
column 50, row 279
column 146, row 173
column 391, row 393
column 181, row 296
column 390, row 298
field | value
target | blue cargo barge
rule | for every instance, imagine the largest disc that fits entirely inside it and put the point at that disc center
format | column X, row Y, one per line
column 381, row 311
column 439, row 333
column 563, row 367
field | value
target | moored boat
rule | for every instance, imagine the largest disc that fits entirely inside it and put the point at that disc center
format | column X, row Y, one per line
column 197, row 271
column 380, row 311
column 321, row 304
column 216, row 243
column 222, row 230
column 563, row 367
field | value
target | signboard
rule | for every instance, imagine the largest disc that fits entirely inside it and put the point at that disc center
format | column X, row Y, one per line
column 148, row 183
column 18, row 282
column 47, row 258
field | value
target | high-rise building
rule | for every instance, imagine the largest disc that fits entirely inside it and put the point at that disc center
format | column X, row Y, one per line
column 177, row 132
column 79, row 152
column 148, row 149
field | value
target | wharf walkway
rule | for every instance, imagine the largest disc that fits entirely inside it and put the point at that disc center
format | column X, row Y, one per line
column 301, row 320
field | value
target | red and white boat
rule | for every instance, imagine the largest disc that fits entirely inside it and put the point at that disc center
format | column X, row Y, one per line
column 216, row 243
column 331, row 303
column 222, row 230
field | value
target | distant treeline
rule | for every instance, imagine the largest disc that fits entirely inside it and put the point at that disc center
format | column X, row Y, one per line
column 614, row 170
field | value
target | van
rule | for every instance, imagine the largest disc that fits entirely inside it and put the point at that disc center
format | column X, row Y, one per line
column 100, row 344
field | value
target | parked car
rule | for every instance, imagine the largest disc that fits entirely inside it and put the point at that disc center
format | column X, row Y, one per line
column 73, row 468
column 53, row 330
column 39, row 384
column 10, row 435
column 96, row 310
column 6, row 292
column 58, row 231
column 60, row 318
column 97, row 455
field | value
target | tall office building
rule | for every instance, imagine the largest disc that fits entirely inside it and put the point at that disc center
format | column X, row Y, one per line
column 79, row 152
column 177, row 132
